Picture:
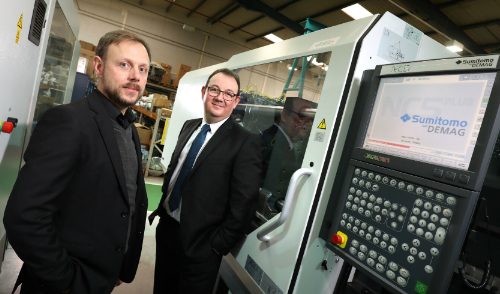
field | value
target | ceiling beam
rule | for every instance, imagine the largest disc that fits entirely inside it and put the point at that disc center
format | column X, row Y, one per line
column 318, row 14
column 223, row 12
column 258, row 5
column 167, row 9
column 279, row 8
column 432, row 16
column 481, row 24
column 196, row 8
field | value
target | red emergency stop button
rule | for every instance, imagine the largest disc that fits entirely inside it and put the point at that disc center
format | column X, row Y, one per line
column 7, row 127
column 339, row 239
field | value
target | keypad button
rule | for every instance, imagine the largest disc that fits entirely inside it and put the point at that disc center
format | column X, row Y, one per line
column 370, row 261
column 434, row 251
column 356, row 200
column 429, row 193
column 348, row 226
column 383, row 244
column 380, row 200
column 382, row 259
column 361, row 210
column 436, row 209
column 361, row 233
column 348, row 204
column 434, row 218
column 422, row 255
column 405, row 247
column 428, row 236
column 428, row 269
column 375, row 187
column 401, row 185
column 368, row 236
column 428, row 205
column 363, row 248
column 344, row 215
column 447, row 212
column 440, row 236
column 415, row 242
column 364, row 173
column 392, row 214
column 404, row 273
column 357, row 171
column 370, row 229
column 431, row 227
column 361, row 256
column 376, row 208
column 357, row 222
column 364, row 226
column 422, row 223
column 351, row 219
column 380, row 268
column 355, row 229
column 369, row 205
column 371, row 175
column 368, row 185
column 393, row 266
column 385, row 237
column 410, row 188
column 352, row 190
column 416, row 211
column 359, row 192
column 362, row 202
column 410, row 228
column 353, row 250
column 361, row 183
column 375, row 240
column 413, row 219
column 378, row 178
column 342, row 223
column 401, row 281
column 444, row 222
column 440, row 196
column 350, row 197
column 355, row 181
column 413, row 251
column 373, row 254
column 410, row 259
column 354, row 207
column 401, row 218
column 378, row 218
column 368, row 213
column 378, row 233
column 394, row 241
column 391, row 249
column 372, row 198
column 364, row 195
column 419, row 190
column 390, row 274
column 384, row 212
column 403, row 209
column 419, row 232
column 355, row 243
column 451, row 200
column 424, row 214
column 419, row 202
column 393, row 182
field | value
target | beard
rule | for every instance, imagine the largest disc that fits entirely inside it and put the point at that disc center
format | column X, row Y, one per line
column 115, row 97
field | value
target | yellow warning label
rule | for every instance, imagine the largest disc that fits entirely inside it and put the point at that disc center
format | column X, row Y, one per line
column 19, row 28
column 322, row 124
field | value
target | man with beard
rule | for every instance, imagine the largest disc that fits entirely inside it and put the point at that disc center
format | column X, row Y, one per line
column 77, row 212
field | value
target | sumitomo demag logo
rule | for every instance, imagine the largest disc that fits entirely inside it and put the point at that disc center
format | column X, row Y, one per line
column 437, row 124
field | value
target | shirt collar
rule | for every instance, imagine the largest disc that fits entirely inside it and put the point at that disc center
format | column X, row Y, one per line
column 215, row 126
column 115, row 114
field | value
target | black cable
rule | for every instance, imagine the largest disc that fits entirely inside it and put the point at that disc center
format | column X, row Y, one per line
column 486, row 274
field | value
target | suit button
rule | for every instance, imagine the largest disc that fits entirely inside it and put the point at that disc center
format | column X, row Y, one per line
column 143, row 204
column 124, row 214
column 119, row 249
column 139, row 233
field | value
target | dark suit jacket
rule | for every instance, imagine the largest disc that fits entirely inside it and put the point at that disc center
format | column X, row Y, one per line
column 67, row 216
column 220, row 196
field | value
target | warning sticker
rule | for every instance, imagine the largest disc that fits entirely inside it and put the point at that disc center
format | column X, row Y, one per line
column 322, row 124
column 19, row 28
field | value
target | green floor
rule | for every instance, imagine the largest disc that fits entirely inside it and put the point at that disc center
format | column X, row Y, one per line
column 154, row 196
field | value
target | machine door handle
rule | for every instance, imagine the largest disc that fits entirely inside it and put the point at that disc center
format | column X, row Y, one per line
column 290, row 198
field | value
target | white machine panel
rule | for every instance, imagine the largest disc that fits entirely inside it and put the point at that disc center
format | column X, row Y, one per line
column 290, row 257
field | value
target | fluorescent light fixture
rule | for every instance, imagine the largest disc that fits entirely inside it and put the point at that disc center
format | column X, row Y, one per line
column 454, row 46
column 356, row 11
column 273, row 38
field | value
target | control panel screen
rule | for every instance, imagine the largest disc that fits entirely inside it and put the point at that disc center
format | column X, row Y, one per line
column 429, row 118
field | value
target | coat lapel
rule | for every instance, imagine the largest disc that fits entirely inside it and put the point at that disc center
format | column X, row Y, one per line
column 108, row 136
column 211, row 146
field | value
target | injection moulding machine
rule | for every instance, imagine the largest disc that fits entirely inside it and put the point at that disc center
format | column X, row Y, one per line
column 25, row 31
column 284, row 252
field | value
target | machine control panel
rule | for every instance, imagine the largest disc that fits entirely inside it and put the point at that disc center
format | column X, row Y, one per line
column 395, row 226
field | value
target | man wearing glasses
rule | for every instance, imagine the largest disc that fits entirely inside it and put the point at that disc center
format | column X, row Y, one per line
column 284, row 144
column 210, row 192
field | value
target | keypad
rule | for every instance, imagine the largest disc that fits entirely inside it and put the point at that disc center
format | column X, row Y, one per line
column 395, row 227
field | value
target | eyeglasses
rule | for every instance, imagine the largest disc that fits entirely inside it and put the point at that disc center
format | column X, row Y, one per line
column 227, row 95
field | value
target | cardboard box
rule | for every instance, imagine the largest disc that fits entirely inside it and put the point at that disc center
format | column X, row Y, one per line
column 87, row 46
column 144, row 134
column 183, row 69
column 166, row 79
column 161, row 101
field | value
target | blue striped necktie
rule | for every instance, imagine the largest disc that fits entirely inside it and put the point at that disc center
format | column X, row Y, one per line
column 175, row 197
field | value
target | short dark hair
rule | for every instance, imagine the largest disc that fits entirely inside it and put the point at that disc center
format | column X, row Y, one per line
column 227, row 72
column 116, row 37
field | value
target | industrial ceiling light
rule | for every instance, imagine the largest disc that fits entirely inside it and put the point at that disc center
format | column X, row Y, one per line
column 454, row 46
column 273, row 38
column 356, row 11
